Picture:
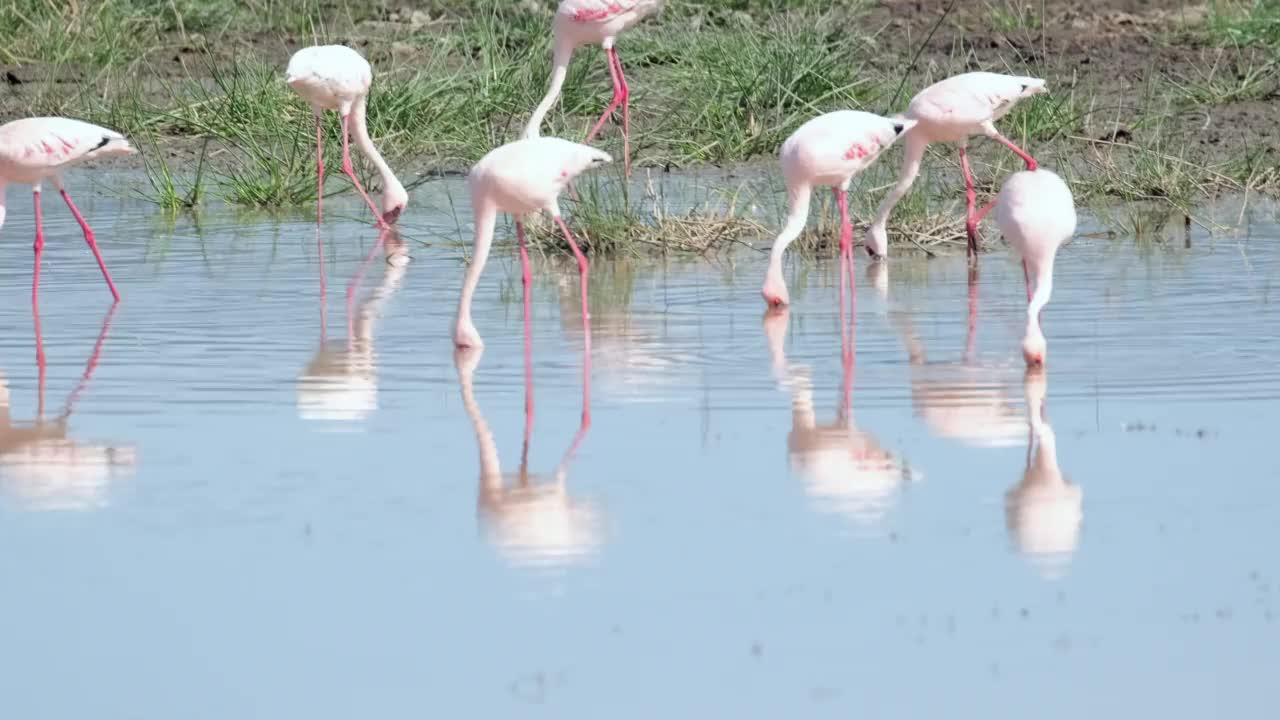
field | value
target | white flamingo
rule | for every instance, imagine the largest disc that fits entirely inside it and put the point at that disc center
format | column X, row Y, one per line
column 825, row 151
column 335, row 77
column 1036, row 214
column 952, row 111
column 518, row 178
column 33, row 150
column 590, row 22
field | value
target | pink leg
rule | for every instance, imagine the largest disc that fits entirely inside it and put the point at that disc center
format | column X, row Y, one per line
column 319, row 170
column 349, row 169
column 971, row 200
column 526, row 280
column 93, row 245
column 626, row 114
column 846, row 246
column 38, row 246
column 1030, row 161
column 613, row 104
column 41, row 367
column 92, row 363
column 971, row 334
column 986, row 209
column 582, row 266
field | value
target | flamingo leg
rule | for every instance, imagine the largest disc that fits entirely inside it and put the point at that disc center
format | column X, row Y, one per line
column 614, row 103
column 41, row 367
column 626, row 113
column 971, row 333
column 349, row 169
column 1030, row 161
column 971, row 199
column 526, row 280
column 319, row 169
column 846, row 246
column 582, row 267
column 93, row 245
column 38, row 247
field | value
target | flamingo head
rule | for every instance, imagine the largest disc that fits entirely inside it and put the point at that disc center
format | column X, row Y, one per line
column 876, row 241
column 394, row 200
column 1034, row 348
column 901, row 125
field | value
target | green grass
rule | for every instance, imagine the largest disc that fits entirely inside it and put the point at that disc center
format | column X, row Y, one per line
column 197, row 84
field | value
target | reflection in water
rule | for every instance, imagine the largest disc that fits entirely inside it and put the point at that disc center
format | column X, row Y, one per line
column 40, row 466
column 962, row 401
column 1043, row 511
column 531, row 519
column 844, row 470
column 341, row 381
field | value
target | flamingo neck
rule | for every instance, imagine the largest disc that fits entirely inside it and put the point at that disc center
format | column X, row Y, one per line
column 390, row 183
column 912, row 155
column 559, row 70
column 486, row 219
column 490, row 471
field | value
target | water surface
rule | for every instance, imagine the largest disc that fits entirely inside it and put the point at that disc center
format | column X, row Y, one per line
column 246, row 501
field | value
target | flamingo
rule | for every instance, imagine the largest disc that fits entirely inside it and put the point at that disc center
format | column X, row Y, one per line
column 586, row 22
column 827, row 150
column 1036, row 214
column 1043, row 512
column 335, row 77
column 952, row 111
column 519, row 178
column 33, row 150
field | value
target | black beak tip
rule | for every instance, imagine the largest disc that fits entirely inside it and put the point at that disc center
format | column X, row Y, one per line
column 898, row 128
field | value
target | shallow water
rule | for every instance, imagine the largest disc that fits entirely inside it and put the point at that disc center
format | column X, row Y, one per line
column 246, row 514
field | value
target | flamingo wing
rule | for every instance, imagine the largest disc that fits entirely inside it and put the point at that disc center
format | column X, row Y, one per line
column 596, row 11
column 49, row 143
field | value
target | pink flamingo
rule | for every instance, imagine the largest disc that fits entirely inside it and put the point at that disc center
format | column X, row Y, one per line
column 587, row 22
column 1036, row 214
column 335, row 77
column 827, row 150
column 951, row 111
column 518, row 178
column 35, row 149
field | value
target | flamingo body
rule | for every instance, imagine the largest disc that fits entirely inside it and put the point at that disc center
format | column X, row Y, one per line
column 33, row 150
column 518, row 178
column 591, row 22
column 1036, row 213
column 337, row 78
column 826, row 151
column 952, row 111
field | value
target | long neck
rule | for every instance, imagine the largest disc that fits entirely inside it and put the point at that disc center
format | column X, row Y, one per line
column 560, row 68
column 486, row 218
column 912, row 154
column 361, row 130
column 490, row 471
column 1044, row 288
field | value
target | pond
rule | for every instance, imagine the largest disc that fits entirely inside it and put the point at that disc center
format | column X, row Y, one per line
column 248, row 499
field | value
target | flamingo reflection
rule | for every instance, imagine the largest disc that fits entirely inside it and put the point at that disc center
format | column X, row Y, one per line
column 340, row 383
column 1043, row 512
column 531, row 519
column 844, row 470
column 963, row 401
column 41, row 466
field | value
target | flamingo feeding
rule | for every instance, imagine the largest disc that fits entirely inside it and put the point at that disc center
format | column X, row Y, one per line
column 33, row 150
column 335, row 77
column 518, row 178
column 952, row 111
column 826, row 151
column 587, row 22
column 1036, row 214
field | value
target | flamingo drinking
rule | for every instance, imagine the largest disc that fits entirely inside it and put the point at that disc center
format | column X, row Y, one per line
column 952, row 111
column 586, row 22
column 827, row 150
column 520, row 177
column 33, row 150
column 1036, row 214
column 335, row 77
